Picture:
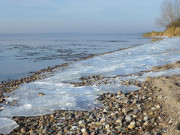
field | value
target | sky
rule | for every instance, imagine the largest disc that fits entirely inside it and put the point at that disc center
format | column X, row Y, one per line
column 78, row 16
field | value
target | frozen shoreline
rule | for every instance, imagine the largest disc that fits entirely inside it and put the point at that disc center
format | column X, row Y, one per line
column 134, row 60
column 132, row 113
column 23, row 53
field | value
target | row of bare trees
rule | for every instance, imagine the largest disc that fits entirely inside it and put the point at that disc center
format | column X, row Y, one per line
column 170, row 14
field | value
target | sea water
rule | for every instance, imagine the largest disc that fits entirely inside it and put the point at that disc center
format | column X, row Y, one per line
column 23, row 53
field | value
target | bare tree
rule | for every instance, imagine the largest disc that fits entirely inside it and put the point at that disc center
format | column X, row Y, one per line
column 170, row 13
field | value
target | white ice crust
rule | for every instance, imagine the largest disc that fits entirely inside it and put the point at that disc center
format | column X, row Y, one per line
column 62, row 96
column 7, row 125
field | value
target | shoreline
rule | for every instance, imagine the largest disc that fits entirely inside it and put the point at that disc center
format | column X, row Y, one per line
column 130, row 113
column 10, row 85
column 52, row 67
column 139, row 112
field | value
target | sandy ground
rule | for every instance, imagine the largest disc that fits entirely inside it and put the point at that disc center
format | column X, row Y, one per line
column 169, row 96
column 167, row 66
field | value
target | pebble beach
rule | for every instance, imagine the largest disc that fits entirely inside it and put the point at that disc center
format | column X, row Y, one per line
column 139, row 112
column 149, row 107
column 88, row 68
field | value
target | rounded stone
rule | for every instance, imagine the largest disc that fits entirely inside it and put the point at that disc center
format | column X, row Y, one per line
column 118, row 121
column 128, row 118
column 83, row 130
column 23, row 130
column 41, row 94
column 107, row 126
column 132, row 125
column 91, row 117
column 146, row 124
column 145, row 118
column 119, row 92
column 81, row 122
column 136, row 110
column 74, row 127
column 103, row 120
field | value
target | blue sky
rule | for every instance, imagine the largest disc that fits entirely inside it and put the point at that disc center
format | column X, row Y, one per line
column 78, row 16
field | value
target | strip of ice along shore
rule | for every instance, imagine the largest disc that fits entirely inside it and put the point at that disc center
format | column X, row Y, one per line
column 59, row 94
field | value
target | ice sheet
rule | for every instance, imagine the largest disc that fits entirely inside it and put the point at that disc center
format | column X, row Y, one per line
column 57, row 97
column 57, row 94
column 7, row 125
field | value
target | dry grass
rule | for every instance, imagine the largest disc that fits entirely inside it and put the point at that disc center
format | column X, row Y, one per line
column 156, row 39
column 152, row 34
column 170, row 32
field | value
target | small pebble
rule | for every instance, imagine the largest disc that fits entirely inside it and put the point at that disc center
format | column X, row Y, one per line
column 132, row 125
column 145, row 118
column 128, row 118
column 41, row 94
column 23, row 130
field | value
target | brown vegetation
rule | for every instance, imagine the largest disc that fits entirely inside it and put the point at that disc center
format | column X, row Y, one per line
column 170, row 18
column 170, row 32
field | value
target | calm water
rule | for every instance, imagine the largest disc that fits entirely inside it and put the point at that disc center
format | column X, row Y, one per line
column 23, row 53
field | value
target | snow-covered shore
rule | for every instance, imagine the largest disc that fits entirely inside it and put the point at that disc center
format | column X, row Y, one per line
column 59, row 94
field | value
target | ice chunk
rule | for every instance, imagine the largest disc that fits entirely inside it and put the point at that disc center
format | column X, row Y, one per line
column 7, row 125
